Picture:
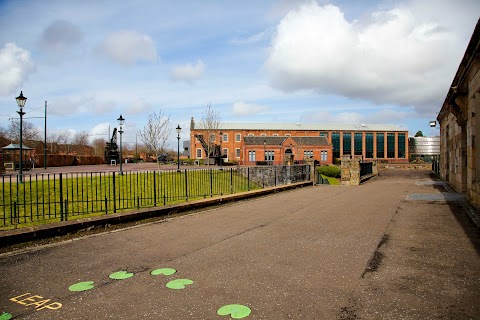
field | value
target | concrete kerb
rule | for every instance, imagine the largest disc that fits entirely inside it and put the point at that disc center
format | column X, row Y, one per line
column 22, row 235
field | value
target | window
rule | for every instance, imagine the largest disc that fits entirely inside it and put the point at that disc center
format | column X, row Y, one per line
column 263, row 135
column 358, row 143
column 324, row 134
column 307, row 154
column 251, row 156
column 199, row 153
column 390, row 145
column 212, row 137
column 237, row 152
column 275, row 134
column 238, row 138
column 369, row 145
column 401, row 145
column 347, row 143
column 380, row 145
column 250, row 135
column 225, row 151
column 324, row 156
column 336, row 144
column 288, row 135
column 269, row 155
column 225, row 137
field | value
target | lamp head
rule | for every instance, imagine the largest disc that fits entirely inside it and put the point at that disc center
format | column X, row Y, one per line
column 21, row 100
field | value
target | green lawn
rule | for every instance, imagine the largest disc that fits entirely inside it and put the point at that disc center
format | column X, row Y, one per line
column 82, row 195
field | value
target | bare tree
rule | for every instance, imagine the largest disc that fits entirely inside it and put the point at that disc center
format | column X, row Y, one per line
column 155, row 133
column 99, row 146
column 210, row 124
column 80, row 138
column 65, row 138
column 29, row 132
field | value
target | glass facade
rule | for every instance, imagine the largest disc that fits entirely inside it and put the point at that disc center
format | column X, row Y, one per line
column 401, row 145
column 369, row 145
column 380, row 145
column 347, row 143
column 390, row 145
column 358, row 143
column 336, row 144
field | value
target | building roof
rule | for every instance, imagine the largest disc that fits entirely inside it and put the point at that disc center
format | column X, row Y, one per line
column 270, row 141
column 16, row 146
column 308, row 127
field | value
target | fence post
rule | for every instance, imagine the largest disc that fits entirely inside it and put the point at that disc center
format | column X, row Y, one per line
column 186, row 185
column 231, row 180
column 61, row 197
column 211, row 183
column 248, row 178
column 114, row 194
column 106, row 205
column 66, row 210
column 154, row 189
column 275, row 176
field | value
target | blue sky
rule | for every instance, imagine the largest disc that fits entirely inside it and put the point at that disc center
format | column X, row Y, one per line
column 255, row 61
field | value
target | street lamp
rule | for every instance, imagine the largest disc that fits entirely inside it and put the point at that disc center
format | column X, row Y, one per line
column 121, row 121
column 178, row 146
column 21, row 103
column 264, row 152
column 221, row 159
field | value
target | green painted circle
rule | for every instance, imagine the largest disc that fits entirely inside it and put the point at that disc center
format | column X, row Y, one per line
column 236, row 311
column 179, row 283
column 6, row 316
column 81, row 286
column 164, row 271
column 120, row 275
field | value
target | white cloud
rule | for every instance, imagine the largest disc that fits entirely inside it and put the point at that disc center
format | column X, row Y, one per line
column 101, row 130
column 395, row 57
column 188, row 72
column 138, row 107
column 16, row 65
column 60, row 36
column 129, row 47
column 247, row 109
column 255, row 38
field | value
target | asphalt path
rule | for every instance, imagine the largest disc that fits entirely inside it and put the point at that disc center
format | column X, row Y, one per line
column 323, row 252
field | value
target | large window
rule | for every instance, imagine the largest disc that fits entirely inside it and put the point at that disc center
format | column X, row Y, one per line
column 380, row 145
column 347, row 143
column 324, row 156
column 269, row 155
column 251, row 156
column 237, row 152
column 199, row 153
column 368, row 145
column 401, row 145
column 336, row 144
column 390, row 145
column 238, row 137
column 225, row 137
column 307, row 154
column 358, row 143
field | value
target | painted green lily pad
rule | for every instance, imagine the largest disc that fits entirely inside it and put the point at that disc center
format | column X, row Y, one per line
column 120, row 275
column 6, row 316
column 81, row 286
column 179, row 284
column 164, row 271
column 236, row 311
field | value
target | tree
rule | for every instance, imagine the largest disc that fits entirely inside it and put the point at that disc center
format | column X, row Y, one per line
column 210, row 123
column 155, row 133
column 419, row 134
column 81, row 138
column 29, row 132
column 99, row 146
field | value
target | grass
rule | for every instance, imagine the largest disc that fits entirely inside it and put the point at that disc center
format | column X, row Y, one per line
column 332, row 181
column 80, row 195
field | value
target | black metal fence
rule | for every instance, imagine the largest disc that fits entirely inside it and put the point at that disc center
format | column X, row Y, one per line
column 43, row 198
column 366, row 168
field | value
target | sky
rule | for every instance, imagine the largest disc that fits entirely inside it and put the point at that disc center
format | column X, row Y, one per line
column 269, row 61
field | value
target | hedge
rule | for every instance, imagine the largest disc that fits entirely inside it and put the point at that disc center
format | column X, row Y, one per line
column 330, row 171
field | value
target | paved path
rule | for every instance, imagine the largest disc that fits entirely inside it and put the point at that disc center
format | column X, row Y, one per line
column 315, row 253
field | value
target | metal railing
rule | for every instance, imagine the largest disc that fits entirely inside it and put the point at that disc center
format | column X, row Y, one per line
column 44, row 198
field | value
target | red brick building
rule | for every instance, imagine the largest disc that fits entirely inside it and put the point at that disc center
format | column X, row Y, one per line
column 373, row 141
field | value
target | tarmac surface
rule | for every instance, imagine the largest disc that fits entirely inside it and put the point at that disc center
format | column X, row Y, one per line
column 392, row 248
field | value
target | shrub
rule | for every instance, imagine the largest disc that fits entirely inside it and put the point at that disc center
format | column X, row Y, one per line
column 330, row 171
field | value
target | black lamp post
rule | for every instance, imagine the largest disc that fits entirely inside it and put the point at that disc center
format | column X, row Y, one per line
column 21, row 103
column 221, row 153
column 121, row 121
column 178, row 146
column 264, row 151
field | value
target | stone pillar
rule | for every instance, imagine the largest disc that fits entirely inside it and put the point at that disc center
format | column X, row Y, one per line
column 350, row 170
column 311, row 163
